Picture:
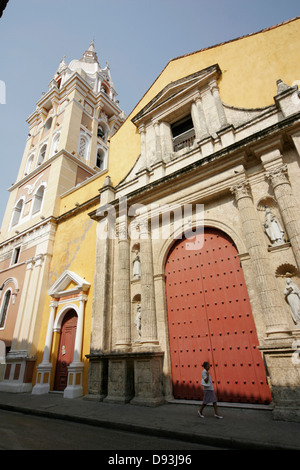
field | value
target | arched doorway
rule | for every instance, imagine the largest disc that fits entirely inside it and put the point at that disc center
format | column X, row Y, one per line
column 210, row 319
column 65, row 350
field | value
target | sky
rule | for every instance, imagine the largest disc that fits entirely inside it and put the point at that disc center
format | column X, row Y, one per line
column 136, row 37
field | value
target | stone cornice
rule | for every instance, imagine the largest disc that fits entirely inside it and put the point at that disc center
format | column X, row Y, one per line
column 44, row 165
column 236, row 151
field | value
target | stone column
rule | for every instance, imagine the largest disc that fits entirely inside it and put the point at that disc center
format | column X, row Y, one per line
column 148, row 321
column 42, row 385
column 157, row 157
column 79, row 329
column 102, row 298
column 198, row 118
column 271, row 301
column 35, row 291
column 22, row 308
column 289, row 208
column 142, row 132
column 219, row 105
column 166, row 140
column 48, row 342
column 123, row 312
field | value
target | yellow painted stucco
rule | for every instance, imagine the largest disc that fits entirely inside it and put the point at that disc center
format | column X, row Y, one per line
column 74, row 250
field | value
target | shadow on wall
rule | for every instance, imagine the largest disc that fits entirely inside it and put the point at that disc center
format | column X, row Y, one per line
column 116, row 375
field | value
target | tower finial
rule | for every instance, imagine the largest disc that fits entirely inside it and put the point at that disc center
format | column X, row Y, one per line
column 92, row 45
column 90, row 54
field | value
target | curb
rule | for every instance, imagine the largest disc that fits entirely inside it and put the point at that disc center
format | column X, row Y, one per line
column 229, row 443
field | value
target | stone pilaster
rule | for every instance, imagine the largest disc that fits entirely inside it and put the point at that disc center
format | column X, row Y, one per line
column 198, row 118
column 219, row 105
column 142, row 132
column 102, row 307
column 102, row 304
column 44, row 369
column 165, row 140
column 123, row 311
column 148, row 321
column 158, row 155
column 271, row 301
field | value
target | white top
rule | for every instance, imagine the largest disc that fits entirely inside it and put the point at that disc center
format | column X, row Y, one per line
column 206, row 385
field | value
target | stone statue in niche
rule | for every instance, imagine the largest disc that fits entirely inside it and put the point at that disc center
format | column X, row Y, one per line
column 292, row 296
column 136, row 266
column 138, row 320
column 273, row 228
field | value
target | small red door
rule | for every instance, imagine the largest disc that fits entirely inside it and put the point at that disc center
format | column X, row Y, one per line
column 210, row 319
column 66, row 350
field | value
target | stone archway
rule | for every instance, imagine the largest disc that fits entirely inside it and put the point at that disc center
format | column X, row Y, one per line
column 65, row 350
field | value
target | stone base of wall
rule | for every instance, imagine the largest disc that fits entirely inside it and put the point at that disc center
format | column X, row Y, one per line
column 18, row 373
column 120, row 377
column 286, row 403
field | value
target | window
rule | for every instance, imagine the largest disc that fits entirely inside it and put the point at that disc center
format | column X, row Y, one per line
column 100, row 161
column 17, row 212
column 54, row 146
column 83, row 146
column 48, row 124
column 4, row 307
column 16, row 255
column 183, row 133
column 29, row 164
column 101, row 132
column 38, row 199
column 42, row 154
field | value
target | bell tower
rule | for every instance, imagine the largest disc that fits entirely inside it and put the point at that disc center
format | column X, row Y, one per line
column 68, row 143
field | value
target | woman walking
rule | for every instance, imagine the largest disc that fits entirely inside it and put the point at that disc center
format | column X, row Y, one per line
column 209, row 393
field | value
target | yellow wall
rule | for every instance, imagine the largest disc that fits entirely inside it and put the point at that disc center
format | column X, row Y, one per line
column 74, row 250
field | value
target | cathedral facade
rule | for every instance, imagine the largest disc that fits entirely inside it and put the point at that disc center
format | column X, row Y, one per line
column 134, row 249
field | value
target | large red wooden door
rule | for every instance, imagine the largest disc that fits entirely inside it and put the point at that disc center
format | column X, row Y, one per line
column 66, row 350
column 210, row 319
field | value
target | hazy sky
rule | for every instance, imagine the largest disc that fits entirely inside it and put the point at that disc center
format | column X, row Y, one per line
column 136, row 37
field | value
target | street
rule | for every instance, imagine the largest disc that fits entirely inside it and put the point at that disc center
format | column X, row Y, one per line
column 26, row 432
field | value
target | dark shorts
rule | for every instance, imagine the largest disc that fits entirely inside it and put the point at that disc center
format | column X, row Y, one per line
column 209, row 397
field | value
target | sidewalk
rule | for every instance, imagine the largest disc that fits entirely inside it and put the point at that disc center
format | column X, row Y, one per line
column 241, row 428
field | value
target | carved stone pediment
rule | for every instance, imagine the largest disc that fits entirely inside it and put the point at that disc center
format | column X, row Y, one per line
column 68, row 283
column 183, row 89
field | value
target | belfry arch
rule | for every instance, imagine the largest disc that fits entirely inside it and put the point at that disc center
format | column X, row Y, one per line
column 210, row 319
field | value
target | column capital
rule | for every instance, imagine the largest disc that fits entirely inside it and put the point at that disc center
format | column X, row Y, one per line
column 144, row 228
column 241, row 190
column 278, row 176
column 39, row 259
column 142, row 129
column 30, row 263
